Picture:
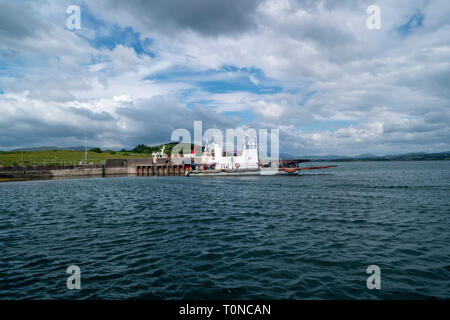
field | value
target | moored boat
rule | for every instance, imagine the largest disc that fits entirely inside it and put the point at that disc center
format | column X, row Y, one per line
column 216, row 162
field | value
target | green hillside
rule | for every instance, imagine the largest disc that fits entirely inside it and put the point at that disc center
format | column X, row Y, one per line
column 61, row 157
column 68, row 157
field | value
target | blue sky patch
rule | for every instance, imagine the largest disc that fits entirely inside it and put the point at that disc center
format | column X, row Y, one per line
column 108, row 35
column 325, row 126
column 225, row 80
column 413, row 23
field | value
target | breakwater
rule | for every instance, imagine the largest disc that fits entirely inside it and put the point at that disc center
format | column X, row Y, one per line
column 51, row 171
column 112, row 167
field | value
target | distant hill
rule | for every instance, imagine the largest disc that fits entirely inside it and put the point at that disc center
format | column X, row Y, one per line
column 79, row 148
column 49, row 148
column 398, row 157
column 322, row 158
column 365, row 155
column 418, row 156
column 287, row 156
column 36, row 149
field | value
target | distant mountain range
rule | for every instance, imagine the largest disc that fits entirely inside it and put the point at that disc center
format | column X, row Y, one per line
column 49, row 149
column 372, row 157
column 327, row 157
column 36, row 149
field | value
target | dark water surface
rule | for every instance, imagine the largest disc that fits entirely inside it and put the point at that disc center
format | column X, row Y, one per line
column 277, row 237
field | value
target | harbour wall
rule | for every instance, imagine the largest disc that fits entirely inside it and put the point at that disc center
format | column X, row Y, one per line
column 112, row 167
column 51, row 171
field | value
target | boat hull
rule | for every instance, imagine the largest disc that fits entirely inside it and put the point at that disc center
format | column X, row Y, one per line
column 243, row 172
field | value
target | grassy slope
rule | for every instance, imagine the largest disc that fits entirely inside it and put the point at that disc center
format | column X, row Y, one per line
column 11, row 158
column 8, row 158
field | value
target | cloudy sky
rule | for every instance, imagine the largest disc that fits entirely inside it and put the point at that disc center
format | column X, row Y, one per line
column 137, row 70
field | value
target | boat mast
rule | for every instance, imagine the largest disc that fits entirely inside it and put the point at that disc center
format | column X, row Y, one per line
column 85, row 149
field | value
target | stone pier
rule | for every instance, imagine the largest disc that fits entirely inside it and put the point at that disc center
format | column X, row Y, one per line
column 144, row 167
column 125, row 167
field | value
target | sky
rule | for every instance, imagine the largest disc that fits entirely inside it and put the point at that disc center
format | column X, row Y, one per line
column 137, row 70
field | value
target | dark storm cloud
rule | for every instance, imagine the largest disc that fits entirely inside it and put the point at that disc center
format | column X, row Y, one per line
column 413, row 127
column 205, row 17
column 329, row 5
column 148, row 121
column 86, row 113
column 349, row 4
column 153, row 120
column 11, row 25
column 27, row 129
column 32, row 131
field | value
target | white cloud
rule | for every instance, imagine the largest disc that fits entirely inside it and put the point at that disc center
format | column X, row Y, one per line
column 393, row 89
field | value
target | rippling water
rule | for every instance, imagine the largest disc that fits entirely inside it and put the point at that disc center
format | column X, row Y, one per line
column 277, row 237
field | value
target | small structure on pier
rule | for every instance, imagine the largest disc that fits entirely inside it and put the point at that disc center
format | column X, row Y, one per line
column 160, row 154
column 144, row 167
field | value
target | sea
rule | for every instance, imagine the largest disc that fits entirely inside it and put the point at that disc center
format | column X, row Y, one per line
column 312, row 236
